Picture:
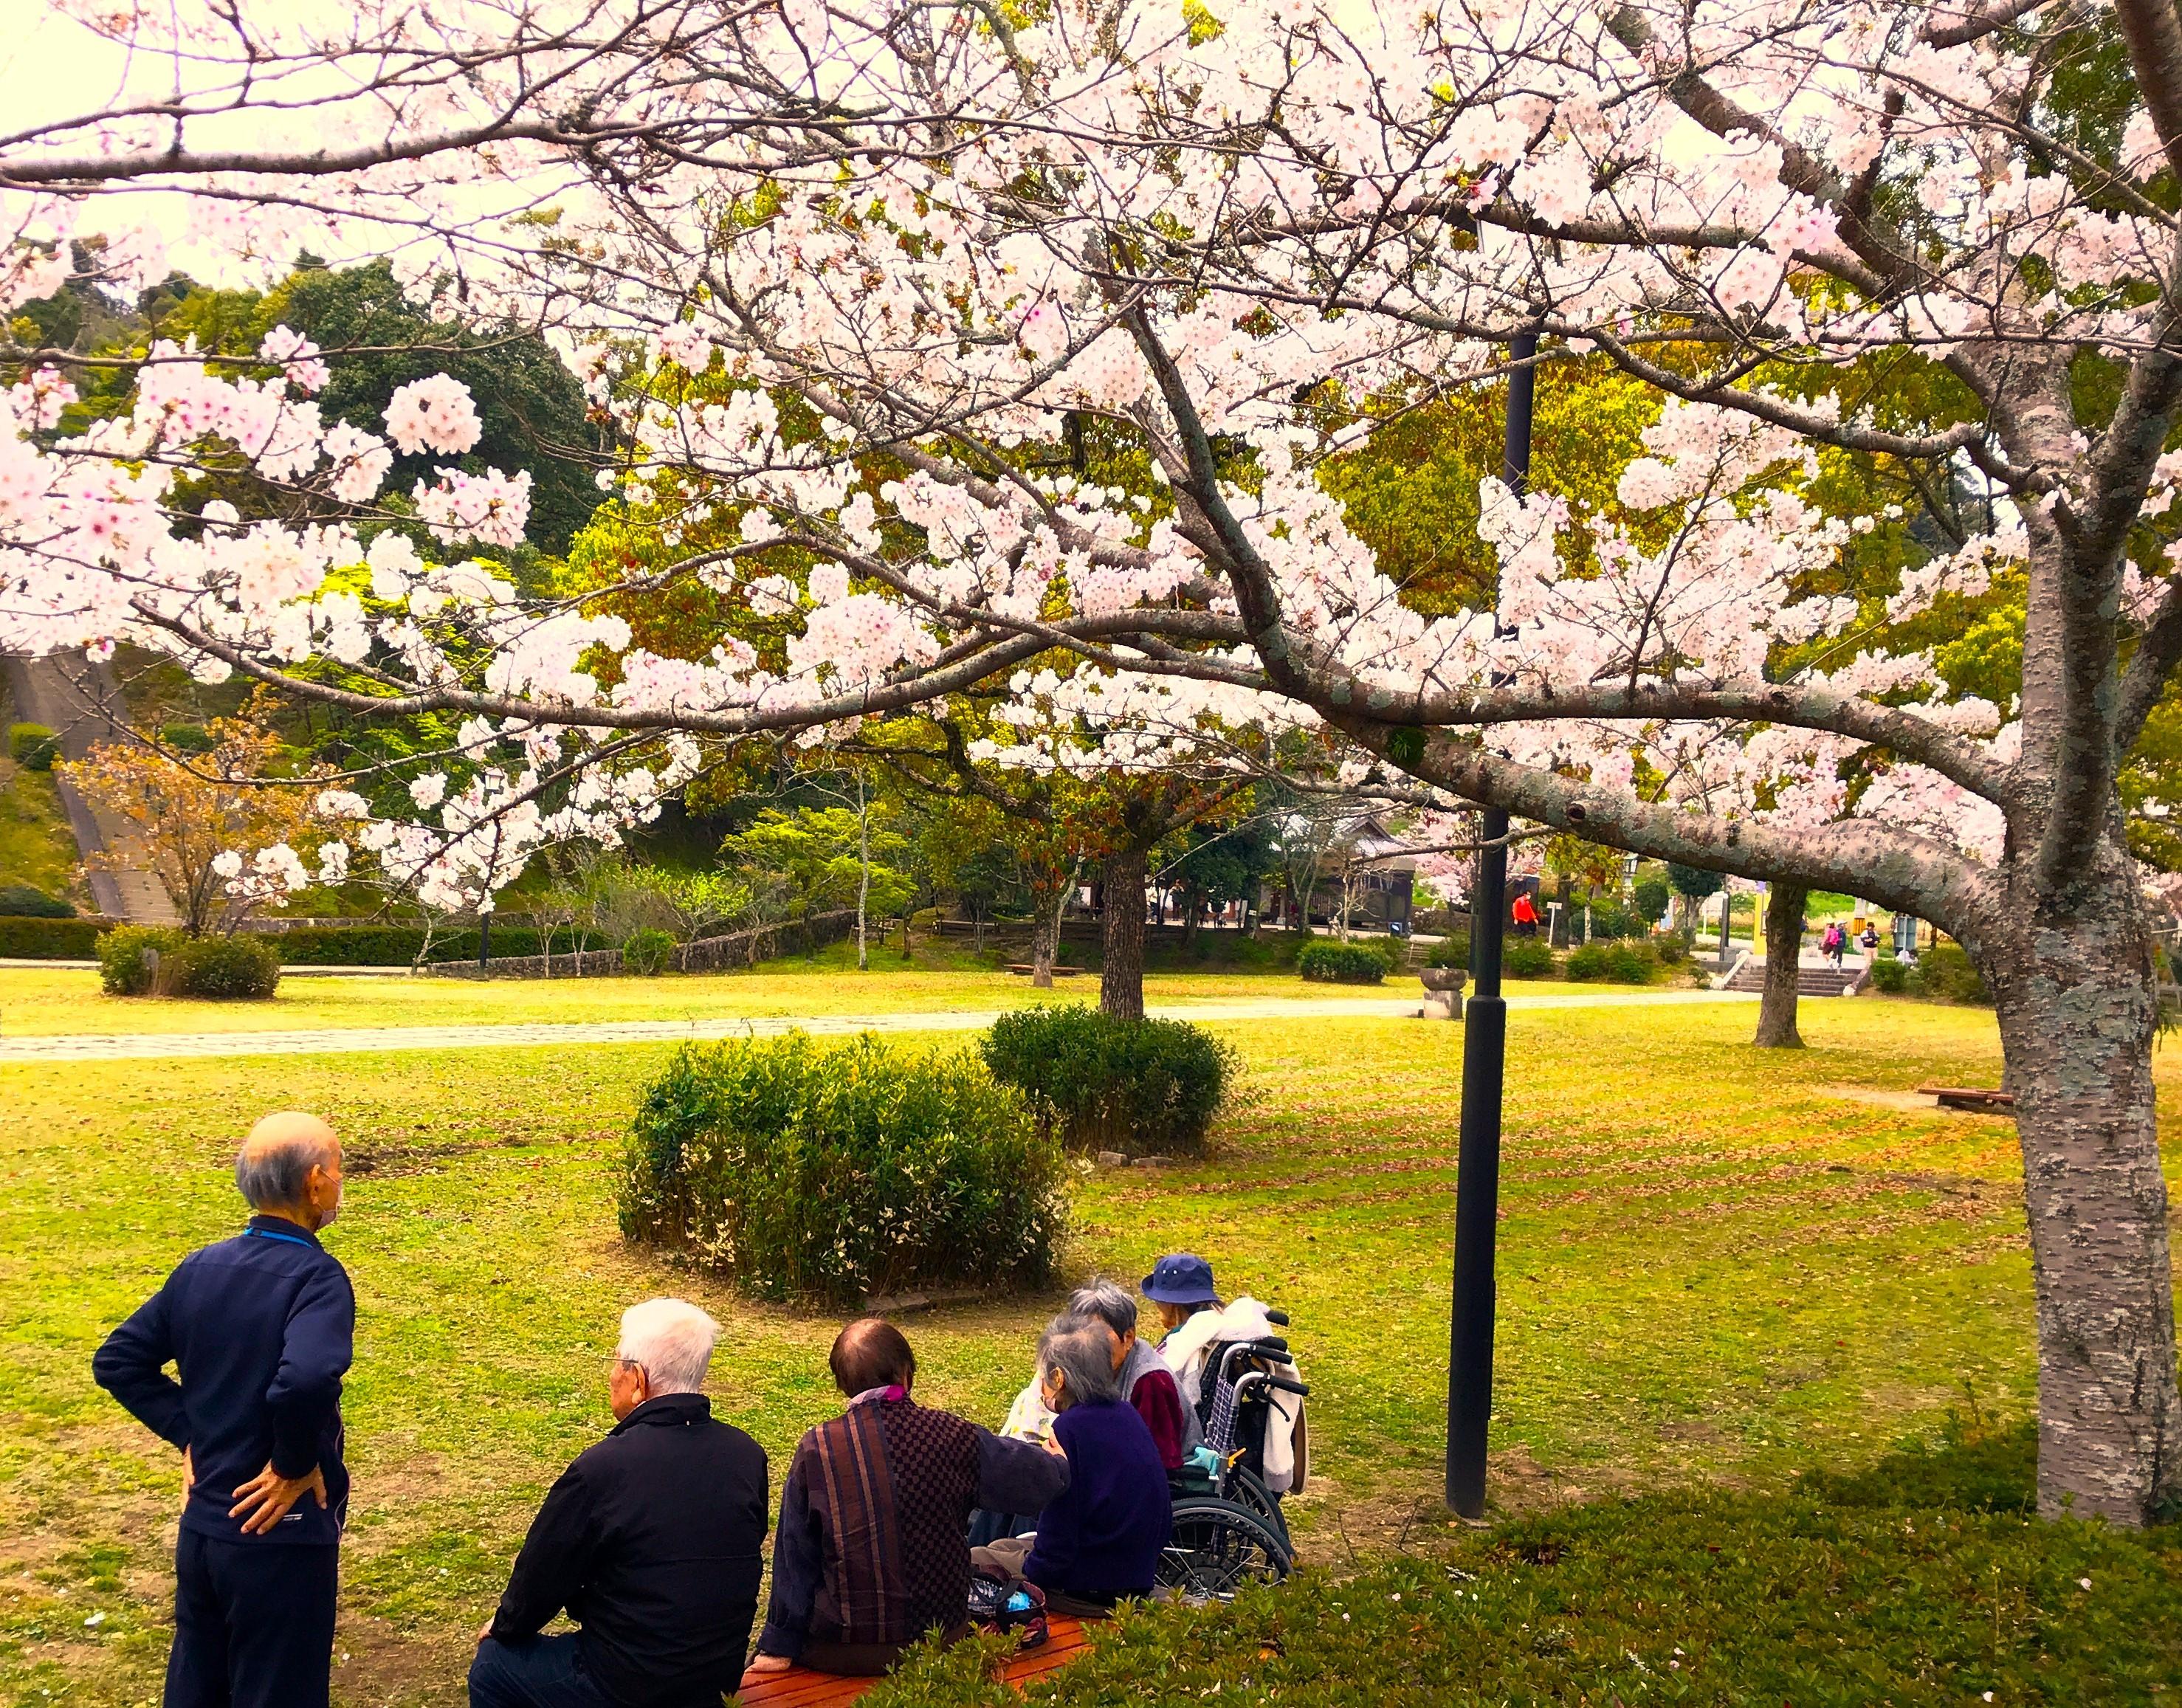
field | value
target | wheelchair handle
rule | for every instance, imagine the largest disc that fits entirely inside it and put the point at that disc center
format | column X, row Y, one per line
column 1279, row 1319
column 1286, row 1386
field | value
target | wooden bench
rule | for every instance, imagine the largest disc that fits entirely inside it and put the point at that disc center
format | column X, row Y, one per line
column 1972, row 1098
column 800, row 1688
column 1025, row 969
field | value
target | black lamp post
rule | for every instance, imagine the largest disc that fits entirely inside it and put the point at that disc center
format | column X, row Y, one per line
column 1484, row 1058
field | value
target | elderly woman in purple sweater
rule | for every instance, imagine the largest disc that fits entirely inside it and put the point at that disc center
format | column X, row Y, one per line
column 1100, row 1541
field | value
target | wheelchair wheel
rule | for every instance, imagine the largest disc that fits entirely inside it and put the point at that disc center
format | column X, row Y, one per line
column 1217, row 1547
column 1245, row 1489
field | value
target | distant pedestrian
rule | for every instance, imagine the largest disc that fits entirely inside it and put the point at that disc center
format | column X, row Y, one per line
column 1834, row 944
column 1525, row 915
column 259, row 1329
column 1869, row 941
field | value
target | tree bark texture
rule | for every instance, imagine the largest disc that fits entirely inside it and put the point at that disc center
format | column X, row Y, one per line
column 1121, row 981
column 1045, row 940
column 1784, row 955
column 2078, row 1012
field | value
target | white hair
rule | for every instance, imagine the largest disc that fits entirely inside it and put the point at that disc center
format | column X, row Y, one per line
column 672, row 1339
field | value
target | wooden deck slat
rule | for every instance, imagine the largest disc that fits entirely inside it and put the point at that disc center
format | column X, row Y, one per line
column 800, row 1688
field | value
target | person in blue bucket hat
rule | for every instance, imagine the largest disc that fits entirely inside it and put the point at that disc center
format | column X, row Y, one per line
column 1181, row 1285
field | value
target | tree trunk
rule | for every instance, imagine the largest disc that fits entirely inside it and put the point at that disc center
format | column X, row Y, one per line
column 1045, row 931
column 1121, row 982
column 863, row 878
column 1564, row 911
column 2078, row 1012
column 1783, row 954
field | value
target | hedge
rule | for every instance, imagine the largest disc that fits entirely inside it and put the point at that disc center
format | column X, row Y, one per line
column 1610, row 963
column 1141, row 1087
column 25, row 938
column 833, row 1172
column 20, row 901
column 33, row 746
column 1927, row 1582
column 1342, row 963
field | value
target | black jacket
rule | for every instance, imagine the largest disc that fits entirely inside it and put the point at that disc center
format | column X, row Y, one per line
column 651, row 1540
column 261, row 1329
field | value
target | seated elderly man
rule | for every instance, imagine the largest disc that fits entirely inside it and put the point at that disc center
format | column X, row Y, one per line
column 1101, row 1537
column 650, row 1541
column 870, row 1553
column 1146, row 1383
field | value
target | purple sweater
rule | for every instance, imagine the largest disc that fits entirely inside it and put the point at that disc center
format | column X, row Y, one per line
column 1102, row 1536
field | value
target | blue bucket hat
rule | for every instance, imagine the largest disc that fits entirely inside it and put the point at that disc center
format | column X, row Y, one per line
column 1179, row 1280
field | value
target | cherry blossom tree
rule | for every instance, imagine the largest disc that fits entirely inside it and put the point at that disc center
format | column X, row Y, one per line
column 844, row 278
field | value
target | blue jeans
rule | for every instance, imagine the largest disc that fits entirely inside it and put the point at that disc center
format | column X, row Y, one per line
column 532, row 1672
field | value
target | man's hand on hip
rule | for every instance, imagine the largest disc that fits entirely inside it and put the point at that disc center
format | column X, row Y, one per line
column 264, row 1501
column 189, row 1476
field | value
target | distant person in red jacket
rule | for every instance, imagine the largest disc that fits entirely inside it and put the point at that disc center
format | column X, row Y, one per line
column 1525, row 915
column 1146, row 1383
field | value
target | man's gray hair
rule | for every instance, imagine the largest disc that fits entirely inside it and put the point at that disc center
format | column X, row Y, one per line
column 273, row 1176
column 1082, row 1348
column 1112, row 1304
column 672, row 1339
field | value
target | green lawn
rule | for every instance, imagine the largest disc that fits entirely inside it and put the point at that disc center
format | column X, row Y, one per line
column 1721, row 1268
column 36, row 846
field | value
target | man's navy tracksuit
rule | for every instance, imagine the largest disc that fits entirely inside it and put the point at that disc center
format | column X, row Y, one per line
column 261, row 1330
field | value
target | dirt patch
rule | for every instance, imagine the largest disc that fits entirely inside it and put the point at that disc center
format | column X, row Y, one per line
column 378, row 1664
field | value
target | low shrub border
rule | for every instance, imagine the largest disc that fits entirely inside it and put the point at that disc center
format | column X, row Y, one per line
column 33, row 939
column 1342, row 963
column 1927, row 1581
column 836, row 1172
column 1141, row 1087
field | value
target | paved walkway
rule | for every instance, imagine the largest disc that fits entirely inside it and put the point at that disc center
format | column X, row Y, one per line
column 84, row 1047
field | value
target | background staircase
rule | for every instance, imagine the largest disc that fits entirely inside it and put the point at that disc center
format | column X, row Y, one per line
column 1812, row 978
column 73, row 701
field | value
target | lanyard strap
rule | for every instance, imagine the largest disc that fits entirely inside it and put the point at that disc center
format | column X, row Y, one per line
column 262, row 1234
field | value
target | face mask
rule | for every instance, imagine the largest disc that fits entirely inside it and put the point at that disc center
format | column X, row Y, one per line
column 333, row 1214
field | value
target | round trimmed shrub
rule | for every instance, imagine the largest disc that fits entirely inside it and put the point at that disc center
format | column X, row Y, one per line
column 647, row 953
column 1610, row 964
column 1341, row 964
column 33, row 746
column 1141, row 1087
column 238, row 968
column 1889, row 973
column 131, row 958
column 836, row 1172
column 187, row 737
column 21, row 902
column 1526, row 958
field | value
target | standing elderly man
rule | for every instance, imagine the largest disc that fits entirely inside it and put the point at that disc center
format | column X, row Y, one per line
column 651, row 1540
column 259, row 1329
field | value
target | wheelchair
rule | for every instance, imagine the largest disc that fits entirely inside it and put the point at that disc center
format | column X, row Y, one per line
column 1228, row 1530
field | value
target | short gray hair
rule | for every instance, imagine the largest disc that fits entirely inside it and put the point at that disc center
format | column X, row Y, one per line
column 1112, row 1304
column 275, row 1175
column 672, row 1339
column 1082, row 1350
